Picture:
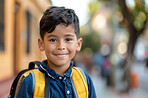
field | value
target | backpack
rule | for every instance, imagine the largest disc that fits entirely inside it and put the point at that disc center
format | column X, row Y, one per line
column 78, row 80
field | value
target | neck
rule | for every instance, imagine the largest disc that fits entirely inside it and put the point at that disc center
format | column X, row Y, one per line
column 59, row 69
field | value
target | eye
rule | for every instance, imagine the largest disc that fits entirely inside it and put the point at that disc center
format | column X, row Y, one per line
column 68, row 39
column 53, row 40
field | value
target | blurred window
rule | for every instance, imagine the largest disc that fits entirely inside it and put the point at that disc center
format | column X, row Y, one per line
column 2, row 25
column 28, row 15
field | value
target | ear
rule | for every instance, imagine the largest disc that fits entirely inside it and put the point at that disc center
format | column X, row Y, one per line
column 79, row 44
column 41, row 44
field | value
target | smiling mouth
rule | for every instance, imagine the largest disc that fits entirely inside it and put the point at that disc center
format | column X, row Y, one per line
column 60, row 55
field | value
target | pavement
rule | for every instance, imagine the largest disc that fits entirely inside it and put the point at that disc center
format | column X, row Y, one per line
column 5, row 88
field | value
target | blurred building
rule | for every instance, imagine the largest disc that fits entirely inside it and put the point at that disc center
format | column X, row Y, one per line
column 19, row 32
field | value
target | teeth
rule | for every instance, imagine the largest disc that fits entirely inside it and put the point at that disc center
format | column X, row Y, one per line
column 61, row 55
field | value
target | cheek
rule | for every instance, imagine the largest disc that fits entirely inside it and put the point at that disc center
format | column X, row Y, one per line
column 72, row 48
column 49, row 48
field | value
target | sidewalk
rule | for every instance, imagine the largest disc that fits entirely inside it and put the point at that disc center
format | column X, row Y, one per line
column 5, row 88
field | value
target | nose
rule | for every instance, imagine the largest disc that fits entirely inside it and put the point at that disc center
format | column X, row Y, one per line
column 61, row 45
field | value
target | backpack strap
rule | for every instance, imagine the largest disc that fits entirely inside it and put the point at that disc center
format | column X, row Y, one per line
column 35, row 76
column 33, row 63
column 39, row 81
column 33, row 80
column 83, row 74
column 39, row 88
column 79, row 83
column 47, row 87
column 20, row 80
column 15, row 82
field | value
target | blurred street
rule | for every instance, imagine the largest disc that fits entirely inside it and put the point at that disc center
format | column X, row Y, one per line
column 103, row 91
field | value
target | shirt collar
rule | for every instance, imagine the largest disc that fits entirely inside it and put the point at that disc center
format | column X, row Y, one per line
column 52, row 73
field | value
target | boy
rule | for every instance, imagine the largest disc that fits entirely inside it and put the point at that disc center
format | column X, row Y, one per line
column 59, row 31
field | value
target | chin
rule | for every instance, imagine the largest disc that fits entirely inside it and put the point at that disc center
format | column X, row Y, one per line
column 61, row 63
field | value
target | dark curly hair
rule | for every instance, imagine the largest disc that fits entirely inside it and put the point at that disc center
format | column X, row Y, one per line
column 55, row 15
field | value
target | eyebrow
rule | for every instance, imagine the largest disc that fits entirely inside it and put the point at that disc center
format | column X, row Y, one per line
column 51, row 36
column 68, row 35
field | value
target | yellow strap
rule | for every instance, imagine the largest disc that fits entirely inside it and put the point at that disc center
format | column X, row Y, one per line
column 20, row 80
column 39, row 90
column 80, row 83
column 39, row 83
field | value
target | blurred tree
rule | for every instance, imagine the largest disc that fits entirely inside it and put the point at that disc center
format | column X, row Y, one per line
column 135, row 19
column 91, row 39
column 93, row 7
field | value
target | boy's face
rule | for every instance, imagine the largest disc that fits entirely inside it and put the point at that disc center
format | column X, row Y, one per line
column 60, row 46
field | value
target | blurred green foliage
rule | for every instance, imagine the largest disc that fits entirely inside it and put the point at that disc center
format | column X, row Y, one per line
column 93, row 7
column 91, row 41
column 137, row 12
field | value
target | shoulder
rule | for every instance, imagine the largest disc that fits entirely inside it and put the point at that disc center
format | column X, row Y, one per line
column 27, row 81
column 91, row 89
column 87, row 77
column 24, row 89
column 30, row 77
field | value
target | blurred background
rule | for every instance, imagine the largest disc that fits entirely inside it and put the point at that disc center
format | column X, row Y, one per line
column 115, row 43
